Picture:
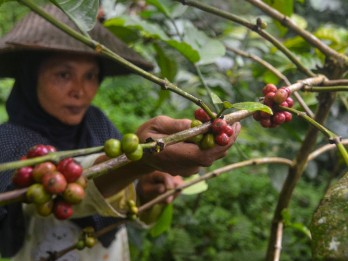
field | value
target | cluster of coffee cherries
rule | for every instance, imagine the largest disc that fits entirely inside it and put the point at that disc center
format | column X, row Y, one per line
column 53, row 188
column 129, row 145
column 87, row 238
column 274, row 97
column 219, row 132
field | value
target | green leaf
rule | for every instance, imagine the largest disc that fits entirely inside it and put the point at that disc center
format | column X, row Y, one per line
column 159, row 6
column 186, row 50
column 216, row 99
column 208, row 48
column 82, row 12
column 168, row 66
column 252, row 106
column 164, row 221
column 2, row 2
column 196, row 188
column 286, row 7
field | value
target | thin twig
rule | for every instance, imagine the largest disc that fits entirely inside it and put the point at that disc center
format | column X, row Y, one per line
column 254, row 27
column 309, row 37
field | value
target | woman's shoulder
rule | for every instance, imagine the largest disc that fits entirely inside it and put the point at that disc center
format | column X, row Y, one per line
column 16, row 140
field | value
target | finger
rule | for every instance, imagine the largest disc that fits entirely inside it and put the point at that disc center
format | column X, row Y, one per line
column 167, row 125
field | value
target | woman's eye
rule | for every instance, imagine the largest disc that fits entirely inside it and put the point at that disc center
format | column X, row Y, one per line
column 92, row 76
column 64, row 75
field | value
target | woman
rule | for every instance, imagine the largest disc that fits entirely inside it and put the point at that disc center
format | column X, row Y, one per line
column 56, row 78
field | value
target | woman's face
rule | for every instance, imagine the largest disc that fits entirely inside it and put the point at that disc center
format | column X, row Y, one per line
column 66, row 86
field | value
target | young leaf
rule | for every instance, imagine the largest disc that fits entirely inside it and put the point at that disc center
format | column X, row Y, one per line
column 251, row 106
column 163, row 222
column 82, row 12
column 216, row 99
column 159, row 6
column 196, row 188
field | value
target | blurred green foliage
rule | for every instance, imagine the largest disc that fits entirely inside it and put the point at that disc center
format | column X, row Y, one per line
column 231, row 220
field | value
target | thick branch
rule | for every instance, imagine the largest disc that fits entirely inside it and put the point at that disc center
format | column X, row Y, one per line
column 295, row 173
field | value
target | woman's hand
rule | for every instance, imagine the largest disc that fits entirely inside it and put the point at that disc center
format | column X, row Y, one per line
column 182, row 158
column 152, row 185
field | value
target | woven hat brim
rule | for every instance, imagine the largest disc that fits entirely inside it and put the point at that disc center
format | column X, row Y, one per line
column 34, row 34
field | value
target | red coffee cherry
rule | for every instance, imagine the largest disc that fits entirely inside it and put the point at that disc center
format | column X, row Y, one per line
column 257, row 116
column 70, row 169
column 286, row 89
column 290, row 102
column 278, row 118
column 228, row 130
column 62, row 210
column 218, row 125
column 266, row 122
column 280, row 96
column 41, row 169
column 268, row 100
column 269, row 88
column 37, row 151
column 23, row 177
column 201, row 115
column 288, row 116
column 54, row 182
column 222, row 139
column 73, row 193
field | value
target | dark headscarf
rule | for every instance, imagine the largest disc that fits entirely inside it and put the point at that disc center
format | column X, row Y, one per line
column 29, row 125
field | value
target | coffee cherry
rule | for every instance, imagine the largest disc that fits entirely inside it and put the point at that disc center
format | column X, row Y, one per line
column 268, row 100
column 135, row 155
column 37, row 194
column 37, row 151
column 288, row 116
column 201, row 115
column 51, row 148
column 71, row 170
column 207, row 141
column 196, row 139
column 73, row 193
column 80, row 244
column 278, row 118
column 45, row 209
column 90, row 242
column 286, row 89
column 54, row 182
column 280, row 96
column 228, row 130
column 269, row 88
column 41, row 169
column 112, row 148
column 23, row 177
column 196, row 123
column 266, row 122
column 82, row 181
column 264, row 114
column 129, row 142
column 290, row 102
column 62, row 210
column 257, row 116
column 218, row 125
column 222, row 139
column 62, row 164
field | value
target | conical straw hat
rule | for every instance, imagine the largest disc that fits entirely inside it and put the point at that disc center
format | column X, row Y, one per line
column 35, row 34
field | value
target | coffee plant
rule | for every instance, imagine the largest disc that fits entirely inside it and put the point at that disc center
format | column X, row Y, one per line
column 240, row 60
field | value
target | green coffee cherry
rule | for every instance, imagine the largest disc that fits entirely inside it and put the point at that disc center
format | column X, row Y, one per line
column 137, row 154
column 129, row 142
column 112, row 148
column 207, row 141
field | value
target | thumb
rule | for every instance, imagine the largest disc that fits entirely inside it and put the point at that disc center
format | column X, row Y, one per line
column 167, row 125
